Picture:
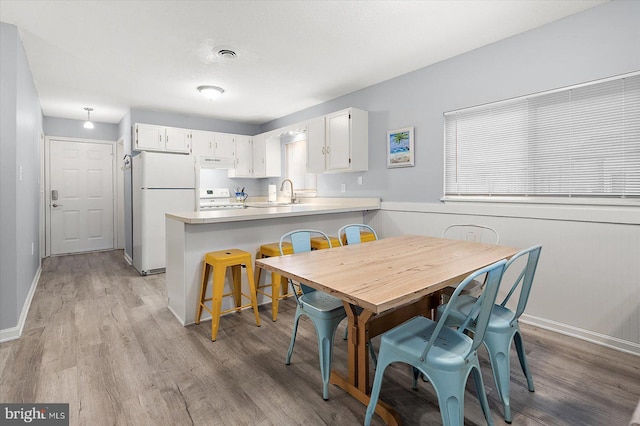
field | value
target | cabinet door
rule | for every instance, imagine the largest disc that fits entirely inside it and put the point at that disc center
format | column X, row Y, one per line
column 224, row 145
column 315, row 145
column 177, row 140
column 243, row 156
column 338, row 140
column 272, row 155
column 149, row 137
column 201, row 143
column 258, row 155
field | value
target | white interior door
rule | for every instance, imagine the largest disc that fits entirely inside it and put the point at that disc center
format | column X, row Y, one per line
column 81, row 198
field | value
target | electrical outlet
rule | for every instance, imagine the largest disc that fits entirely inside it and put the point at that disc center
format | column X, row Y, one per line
column 359, row 180
column 343, row 187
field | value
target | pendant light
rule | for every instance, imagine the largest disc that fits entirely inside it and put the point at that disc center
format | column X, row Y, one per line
column 88, row 124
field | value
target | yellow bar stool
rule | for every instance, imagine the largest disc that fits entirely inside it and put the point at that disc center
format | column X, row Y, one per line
column 321, row 243
column 220, row 261
column 279, row 284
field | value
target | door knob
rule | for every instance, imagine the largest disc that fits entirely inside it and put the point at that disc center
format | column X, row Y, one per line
column 57, row 205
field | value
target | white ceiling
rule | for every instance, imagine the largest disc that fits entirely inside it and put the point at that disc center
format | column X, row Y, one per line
column 291, row 55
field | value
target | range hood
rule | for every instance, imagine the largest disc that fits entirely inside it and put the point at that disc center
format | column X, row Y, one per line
column 215, row 163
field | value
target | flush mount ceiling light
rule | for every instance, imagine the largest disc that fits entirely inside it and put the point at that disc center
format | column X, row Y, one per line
column 226, row 53
column 211, row 92
column 88, row 124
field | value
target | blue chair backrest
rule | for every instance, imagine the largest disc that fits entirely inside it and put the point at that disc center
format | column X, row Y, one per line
column 301, row 243
column 478, row 316
column 525, row 278
column 352, row 233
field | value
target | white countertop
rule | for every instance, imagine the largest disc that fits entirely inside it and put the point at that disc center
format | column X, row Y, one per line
column 308, row 206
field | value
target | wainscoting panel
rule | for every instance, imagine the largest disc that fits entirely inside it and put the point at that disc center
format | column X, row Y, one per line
column 588, row 280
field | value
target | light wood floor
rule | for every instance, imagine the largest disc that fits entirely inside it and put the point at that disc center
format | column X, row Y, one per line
column 99, row 337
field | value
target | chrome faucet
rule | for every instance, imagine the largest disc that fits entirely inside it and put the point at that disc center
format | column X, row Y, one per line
column 293, row 195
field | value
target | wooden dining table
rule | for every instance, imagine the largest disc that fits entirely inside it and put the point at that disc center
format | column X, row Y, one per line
column 382, row 284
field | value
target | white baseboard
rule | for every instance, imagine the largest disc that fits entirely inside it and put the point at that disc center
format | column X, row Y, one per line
column 579, row 333
column 128, row 258
column 12, row 333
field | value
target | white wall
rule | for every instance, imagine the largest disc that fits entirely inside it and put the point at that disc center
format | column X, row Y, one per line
column 588, row 278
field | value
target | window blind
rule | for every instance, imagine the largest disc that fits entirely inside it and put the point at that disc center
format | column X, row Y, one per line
column 581, row 141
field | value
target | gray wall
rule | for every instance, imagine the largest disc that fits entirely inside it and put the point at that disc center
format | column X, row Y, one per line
column 600, row 42
column 192, row 122
column 65, row 127
column 20, row 130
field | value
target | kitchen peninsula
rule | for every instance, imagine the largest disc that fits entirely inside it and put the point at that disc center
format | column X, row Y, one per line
column 190, row 235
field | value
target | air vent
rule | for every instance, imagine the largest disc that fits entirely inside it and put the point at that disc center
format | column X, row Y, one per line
column 227, row 54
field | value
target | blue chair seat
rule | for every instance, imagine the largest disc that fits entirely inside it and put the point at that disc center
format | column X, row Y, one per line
column 449, row 348
column 323, row 304
column 500, row 319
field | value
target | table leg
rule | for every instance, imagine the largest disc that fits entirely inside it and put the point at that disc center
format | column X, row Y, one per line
column 357, row 383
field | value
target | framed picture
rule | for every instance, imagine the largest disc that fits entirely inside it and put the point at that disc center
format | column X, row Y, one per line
column 400, row 151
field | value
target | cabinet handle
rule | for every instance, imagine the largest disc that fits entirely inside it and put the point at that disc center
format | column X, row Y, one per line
column 328, row 150
column 323, row 150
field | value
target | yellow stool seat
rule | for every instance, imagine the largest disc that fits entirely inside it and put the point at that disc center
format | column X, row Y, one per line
column 273, row 249
column 279, row 284
column 219, row 261
column 365, row 237
column 320, row 243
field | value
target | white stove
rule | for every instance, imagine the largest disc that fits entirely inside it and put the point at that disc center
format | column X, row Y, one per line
column 216, row 199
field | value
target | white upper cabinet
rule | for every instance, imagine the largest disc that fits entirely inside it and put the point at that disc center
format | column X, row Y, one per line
column 315, row 145
column 271, row 155
column 257, row 156
column 202, row 143
column 150, row 137
column 339, row 142
column 224, row 145
column 218, row 148
column 177, row 140
column 244, row 157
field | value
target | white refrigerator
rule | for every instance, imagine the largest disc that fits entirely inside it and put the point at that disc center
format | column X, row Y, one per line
column 162, row 183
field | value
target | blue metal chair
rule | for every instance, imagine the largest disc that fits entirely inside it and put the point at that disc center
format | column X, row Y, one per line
column 356, row 233
column 325, row 311
column 503, row 324
column 353, row 234
column 444, row 355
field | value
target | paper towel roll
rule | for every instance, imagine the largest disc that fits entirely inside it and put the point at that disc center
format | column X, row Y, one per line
column 272, row 193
